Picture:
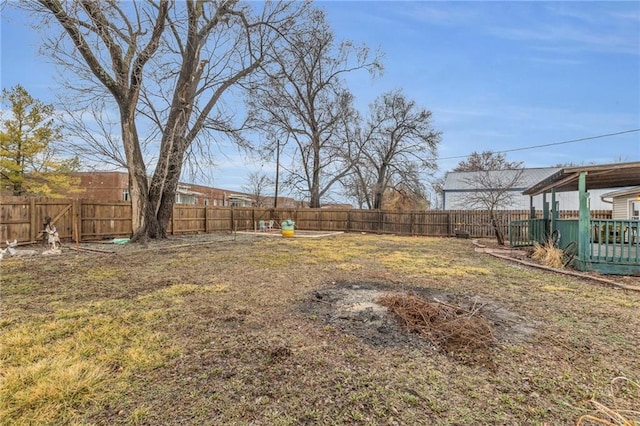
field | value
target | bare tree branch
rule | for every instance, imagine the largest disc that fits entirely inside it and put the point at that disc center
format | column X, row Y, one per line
column 399, row 147
column 303, row 97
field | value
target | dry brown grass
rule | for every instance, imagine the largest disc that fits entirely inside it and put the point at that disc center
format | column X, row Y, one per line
column 215, row 334
column 548, row 254
column 616, row 414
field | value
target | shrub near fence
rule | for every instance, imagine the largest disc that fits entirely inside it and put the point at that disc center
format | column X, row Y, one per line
column 86, row 220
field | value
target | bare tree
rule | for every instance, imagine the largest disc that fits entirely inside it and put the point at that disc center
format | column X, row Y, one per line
column 357, row 185
column 257, row 185
column 305, row 101
column 401, row 196
column 493, row 190
column 491, row 184
column 437, row 186
column 487, row 160
column 100, row 56
column 399, row 146
column 168, row 64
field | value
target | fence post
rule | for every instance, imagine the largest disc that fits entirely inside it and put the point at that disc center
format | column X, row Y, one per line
column 173, row 222
column 411, row 224
column 206, row 219
column 76, row 212
column 33, row 231
column 349, row 221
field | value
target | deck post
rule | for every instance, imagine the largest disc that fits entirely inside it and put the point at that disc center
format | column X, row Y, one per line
column 554, row 210
column 583, row 223
column 545, row 215
column 532, row 209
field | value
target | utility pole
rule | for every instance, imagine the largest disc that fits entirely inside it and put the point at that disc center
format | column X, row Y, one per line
column 275, row 199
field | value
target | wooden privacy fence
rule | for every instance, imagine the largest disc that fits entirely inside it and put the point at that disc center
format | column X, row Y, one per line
column 75, row 219
column 87, row 220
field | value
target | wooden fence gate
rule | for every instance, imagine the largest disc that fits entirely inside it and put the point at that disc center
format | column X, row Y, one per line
column 24, row 221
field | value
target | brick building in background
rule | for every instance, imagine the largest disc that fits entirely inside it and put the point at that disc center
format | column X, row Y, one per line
column 114, row 186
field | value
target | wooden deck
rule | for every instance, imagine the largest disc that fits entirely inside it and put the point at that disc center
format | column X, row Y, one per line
column 613, row 245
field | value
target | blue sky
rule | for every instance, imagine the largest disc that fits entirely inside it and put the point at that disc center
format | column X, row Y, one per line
column 496, row 75
column 505, row 75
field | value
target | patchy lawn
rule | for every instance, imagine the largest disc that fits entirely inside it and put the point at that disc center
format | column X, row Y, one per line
column 221, row 330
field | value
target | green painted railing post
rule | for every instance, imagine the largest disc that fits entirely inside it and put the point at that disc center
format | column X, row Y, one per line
column 554, row 211
column 583, row 223
column 532, row 209
column 545, row 233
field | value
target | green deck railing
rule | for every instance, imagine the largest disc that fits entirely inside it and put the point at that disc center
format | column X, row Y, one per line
column 613, row 246
column 524, row 233
column 615, row 241
column 567, row 232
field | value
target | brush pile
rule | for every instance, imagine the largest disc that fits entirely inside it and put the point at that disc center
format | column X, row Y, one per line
column 457, row 331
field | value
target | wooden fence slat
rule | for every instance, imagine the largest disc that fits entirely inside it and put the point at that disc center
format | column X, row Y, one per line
column 33, row 226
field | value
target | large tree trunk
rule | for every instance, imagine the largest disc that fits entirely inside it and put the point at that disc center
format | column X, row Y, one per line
column 379, row 189
column 162, row 191
column 176, row 136
column 143, row 222
column 314, row 201
column 167, row 200
column 165, row 180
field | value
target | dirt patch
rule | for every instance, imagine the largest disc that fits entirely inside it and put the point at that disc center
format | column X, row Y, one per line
column 356, row 309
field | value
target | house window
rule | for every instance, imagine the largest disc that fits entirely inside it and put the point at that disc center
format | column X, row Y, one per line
column 634, row 210
column 206, row 201
column 185, row 199
column 125, row 195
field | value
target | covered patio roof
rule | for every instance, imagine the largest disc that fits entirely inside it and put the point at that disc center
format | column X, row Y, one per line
column 602, row 176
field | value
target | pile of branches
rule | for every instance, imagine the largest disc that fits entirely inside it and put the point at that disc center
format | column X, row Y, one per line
column 460, row 332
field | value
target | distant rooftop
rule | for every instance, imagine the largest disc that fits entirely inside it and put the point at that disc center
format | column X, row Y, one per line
column 462, row 181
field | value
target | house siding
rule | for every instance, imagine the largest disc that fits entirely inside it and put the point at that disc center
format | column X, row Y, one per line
column 622, row 201
column 459, row 187
column 458, row 200
column 622, row 207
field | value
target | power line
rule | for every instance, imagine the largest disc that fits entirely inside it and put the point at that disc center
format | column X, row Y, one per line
column 550, row 144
